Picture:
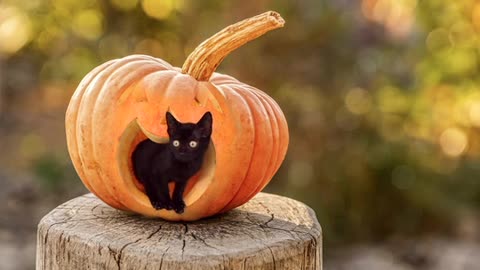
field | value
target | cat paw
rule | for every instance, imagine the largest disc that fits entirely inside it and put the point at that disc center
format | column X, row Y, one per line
column 159, row 205
column 169, row 205
column 179, row 206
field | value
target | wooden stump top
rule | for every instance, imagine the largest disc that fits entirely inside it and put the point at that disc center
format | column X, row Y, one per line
column 269, row 232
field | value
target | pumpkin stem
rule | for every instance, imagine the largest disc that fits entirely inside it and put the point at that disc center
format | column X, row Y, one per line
column 204, row 60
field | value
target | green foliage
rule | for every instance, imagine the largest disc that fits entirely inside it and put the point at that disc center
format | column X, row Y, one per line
column 54, row 175
column 49, row 172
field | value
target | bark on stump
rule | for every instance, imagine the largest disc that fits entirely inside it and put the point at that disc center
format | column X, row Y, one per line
column 269, row 232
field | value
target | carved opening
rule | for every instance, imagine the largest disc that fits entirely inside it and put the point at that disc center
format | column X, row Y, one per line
column 132, row 136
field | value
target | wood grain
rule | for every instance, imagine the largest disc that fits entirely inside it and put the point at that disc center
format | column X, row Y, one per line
column 269, row 232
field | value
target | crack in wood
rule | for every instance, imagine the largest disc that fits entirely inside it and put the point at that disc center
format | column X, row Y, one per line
column 118, row 258
column 273, row 257
column 264, row 207
column 194, row 236
column 268, row 221
column 184, row 235
column 264, row 245
column 95, row 208
column 161, row 259
column 155, row 232
column 183, row 247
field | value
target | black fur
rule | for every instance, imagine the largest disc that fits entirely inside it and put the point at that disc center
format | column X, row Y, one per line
column 155, row 165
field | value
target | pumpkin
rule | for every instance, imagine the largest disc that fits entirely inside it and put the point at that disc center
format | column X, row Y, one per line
column 122, row 102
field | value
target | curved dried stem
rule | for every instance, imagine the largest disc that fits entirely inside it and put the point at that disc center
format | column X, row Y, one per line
column 205, row 59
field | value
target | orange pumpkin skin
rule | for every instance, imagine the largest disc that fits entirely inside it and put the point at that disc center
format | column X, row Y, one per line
column 250, row 133
column 123, row 101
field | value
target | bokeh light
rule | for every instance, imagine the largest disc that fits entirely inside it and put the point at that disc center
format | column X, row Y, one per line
column 358, row 101
column 15, row 29
column 396, row 16
column 453, row 142
column 158, row 9
column 476, row 16
column 474, row 113
column 88, row 24
column 438, row 39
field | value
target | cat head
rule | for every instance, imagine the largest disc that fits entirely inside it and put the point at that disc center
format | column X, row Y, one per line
column 189, row 141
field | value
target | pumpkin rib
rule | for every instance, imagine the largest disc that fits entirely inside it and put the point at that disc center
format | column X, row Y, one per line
column 234, row 99
column 126, row 96
column 173, row 85
column 164, row 63
column 283, row 137
column 273, row 165
column 262, row 147
column 223, row 79
column 275, row 126
column 90, row 180
column 283, row 126
column 274, row 123
column 167, row 77
column 107, row 106
column 82, row 127
column 265, row 98
column 91, row 167
column 246, row 170
column 71, row 117
column 274, row 157
column 283, row 130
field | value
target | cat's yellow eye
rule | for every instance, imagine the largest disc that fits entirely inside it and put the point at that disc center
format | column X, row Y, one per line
column 193, row 144
column 176, row 143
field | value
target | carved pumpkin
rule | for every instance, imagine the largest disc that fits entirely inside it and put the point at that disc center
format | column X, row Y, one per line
column 123, row 101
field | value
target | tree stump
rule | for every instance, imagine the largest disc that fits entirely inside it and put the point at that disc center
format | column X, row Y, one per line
column 268, row 232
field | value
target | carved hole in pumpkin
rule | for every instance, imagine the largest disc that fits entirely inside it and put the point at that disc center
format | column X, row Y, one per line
column 131, row 137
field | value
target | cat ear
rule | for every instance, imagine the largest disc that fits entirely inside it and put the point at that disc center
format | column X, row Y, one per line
column 204, row 125
column 172, row 123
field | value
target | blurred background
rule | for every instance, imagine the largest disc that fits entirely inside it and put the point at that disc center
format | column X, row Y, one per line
column 382, row 99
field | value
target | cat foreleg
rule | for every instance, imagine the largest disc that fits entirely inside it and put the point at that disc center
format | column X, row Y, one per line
column 160, row 197
column 164, row 192
column 177, row 198
column 152, row 194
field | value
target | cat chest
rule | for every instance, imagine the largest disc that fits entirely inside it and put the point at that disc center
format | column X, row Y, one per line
column 183, row 171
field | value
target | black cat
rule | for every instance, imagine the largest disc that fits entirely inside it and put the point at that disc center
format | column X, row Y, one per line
column 157, row 164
